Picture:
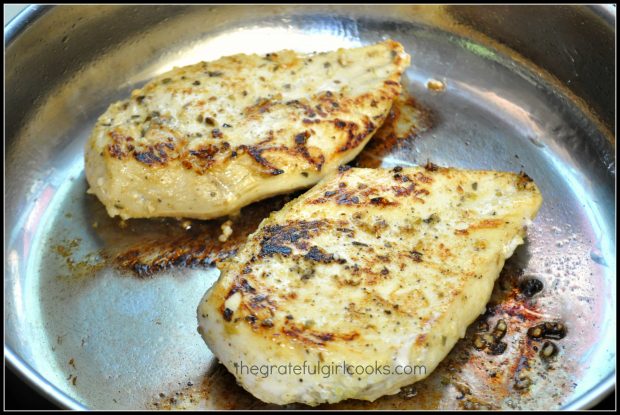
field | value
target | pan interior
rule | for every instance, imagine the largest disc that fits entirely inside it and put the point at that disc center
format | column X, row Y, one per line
column 111, row 339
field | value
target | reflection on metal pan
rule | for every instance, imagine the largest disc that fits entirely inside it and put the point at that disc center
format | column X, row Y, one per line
column 100, row 313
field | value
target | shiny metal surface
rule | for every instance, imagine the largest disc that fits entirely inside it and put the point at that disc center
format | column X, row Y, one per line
column 532, row 97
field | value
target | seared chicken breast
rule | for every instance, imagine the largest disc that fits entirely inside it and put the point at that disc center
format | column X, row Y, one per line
column 204, row 140
column 371, row 267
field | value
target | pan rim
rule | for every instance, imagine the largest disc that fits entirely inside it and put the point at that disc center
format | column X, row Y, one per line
column 30, row 15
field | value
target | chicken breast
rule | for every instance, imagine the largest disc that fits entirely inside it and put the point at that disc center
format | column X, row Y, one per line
column 204, row 140
column 370, row 268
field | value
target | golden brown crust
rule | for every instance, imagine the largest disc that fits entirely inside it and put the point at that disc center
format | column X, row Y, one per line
column 370, row 265
column 282, row 114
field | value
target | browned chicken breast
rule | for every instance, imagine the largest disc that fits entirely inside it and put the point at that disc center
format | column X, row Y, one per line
column 204, row 140
column 371, row 267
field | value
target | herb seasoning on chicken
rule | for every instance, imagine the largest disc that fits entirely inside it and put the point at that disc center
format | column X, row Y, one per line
column 204, row 140
column 371, row 266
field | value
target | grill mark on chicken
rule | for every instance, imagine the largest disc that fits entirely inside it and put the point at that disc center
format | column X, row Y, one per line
column 243, row 285
column 317, row 254
column 277, row 237
column 315, row 338
column 257, row 155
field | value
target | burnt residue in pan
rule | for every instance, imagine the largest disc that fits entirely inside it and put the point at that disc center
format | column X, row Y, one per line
column 195, row 243
column 145, row 248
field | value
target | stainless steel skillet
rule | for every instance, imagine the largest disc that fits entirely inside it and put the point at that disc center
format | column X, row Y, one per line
column 526, row 88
